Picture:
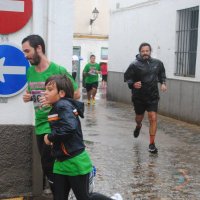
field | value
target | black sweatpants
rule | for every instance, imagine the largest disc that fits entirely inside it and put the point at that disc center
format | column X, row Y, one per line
column 79, row 185
column 47, row 160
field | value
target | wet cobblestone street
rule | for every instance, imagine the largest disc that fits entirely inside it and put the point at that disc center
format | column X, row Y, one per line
column 124, row 164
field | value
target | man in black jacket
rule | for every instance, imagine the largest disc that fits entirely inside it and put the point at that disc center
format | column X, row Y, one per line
column 142, row 77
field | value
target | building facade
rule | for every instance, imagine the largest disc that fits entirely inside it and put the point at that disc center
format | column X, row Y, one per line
column 20, row 173
column 172, row 28
column 90, row 34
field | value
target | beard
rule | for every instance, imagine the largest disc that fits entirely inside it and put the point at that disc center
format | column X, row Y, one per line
column 35, row 60
column 145, row 57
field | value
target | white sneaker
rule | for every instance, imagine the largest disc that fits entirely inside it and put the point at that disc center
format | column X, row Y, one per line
column 117, row 196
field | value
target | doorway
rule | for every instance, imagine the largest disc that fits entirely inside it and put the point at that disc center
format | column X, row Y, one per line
column 77, row 52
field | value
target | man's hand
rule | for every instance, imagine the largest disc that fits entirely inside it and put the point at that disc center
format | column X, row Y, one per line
column 27, row 96
column 47, row 142
column 163, row 87
column 137, row 85
column 98, row 72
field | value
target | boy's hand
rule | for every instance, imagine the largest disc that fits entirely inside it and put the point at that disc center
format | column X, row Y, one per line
column 47, row 142
column 43, row 101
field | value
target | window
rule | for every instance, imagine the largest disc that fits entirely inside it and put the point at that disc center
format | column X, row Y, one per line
column 186, row 41
column 104, row 53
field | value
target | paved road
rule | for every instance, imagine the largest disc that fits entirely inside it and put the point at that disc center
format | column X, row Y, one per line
column 124, row 164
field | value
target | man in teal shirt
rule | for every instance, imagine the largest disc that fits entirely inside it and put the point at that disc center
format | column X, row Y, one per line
column 34, row 49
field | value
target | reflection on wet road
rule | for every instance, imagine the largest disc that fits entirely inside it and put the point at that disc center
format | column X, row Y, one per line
column 124, row 164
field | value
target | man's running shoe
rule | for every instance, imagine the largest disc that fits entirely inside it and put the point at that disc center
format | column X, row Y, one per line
column 153, row 149
column 88, row 102
column 93, row 101
column 136, row 132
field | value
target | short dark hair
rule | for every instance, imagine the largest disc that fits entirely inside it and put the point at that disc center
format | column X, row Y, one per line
column 35, row 41
column 143, row 45
column 62, row 82
column 92, row 56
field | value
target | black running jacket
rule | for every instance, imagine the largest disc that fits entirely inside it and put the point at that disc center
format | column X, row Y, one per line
column 149, row 72
column 66, row 133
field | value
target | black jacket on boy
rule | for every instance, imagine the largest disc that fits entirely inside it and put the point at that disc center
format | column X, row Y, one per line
column 66, row 133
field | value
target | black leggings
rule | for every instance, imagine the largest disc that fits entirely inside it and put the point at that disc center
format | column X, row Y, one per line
column 79, row 185
column 47, row 160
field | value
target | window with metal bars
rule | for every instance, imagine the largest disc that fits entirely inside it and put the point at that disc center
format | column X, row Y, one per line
column 186, row 41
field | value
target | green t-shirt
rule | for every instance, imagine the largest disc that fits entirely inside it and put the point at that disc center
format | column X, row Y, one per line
column 36, row 85
column 78, row 165
column 90, row 69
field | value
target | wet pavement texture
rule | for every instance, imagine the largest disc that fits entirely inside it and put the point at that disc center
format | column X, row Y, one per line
column 123, row 162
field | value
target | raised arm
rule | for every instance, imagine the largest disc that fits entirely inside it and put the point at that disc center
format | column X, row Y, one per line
column 68, row 125
column 129, row 76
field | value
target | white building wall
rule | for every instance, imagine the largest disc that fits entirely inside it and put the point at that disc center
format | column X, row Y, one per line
column 90, row 38
column 83, row 14
column 53, row 21
column 152, row 21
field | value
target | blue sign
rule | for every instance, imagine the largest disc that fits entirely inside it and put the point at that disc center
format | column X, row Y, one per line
column 13, row 68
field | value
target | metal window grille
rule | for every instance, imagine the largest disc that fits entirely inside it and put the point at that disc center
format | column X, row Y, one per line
column 187, row 37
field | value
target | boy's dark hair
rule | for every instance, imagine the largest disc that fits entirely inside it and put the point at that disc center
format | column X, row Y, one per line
column 62, row 83
column 35, row 41
column 143, row 45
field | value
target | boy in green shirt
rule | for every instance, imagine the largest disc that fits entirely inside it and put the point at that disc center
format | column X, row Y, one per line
column 34, row 49
column 72, row 165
